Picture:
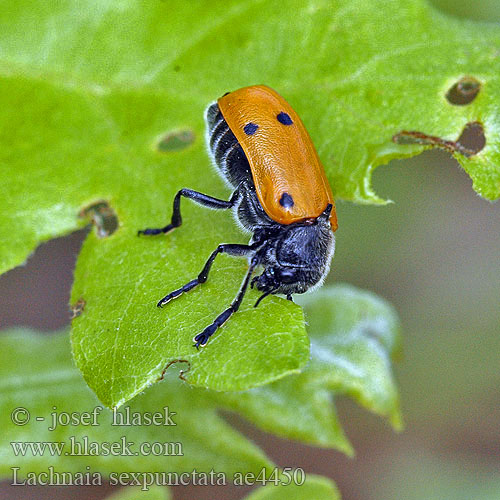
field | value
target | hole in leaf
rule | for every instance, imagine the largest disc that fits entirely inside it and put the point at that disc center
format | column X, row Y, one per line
column 464, row 91
column 102, row 216
column 472, row 138
column 175, row 141
column 415, row 137
column 78, row 307
column 181, row 372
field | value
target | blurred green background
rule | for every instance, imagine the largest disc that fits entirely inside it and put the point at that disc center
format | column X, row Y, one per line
column 435, row 254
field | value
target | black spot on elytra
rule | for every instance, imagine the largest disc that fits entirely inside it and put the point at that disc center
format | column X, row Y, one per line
column 286, row 201
column 250, row 128
column 284, row 118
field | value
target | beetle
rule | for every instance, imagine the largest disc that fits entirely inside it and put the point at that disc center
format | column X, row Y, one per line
column 280, row 194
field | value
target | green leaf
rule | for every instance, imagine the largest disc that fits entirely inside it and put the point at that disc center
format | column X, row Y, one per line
column 354, row 334
column 315, row 487
column 89, row 99
column 133, row 493
column 122, row 348
column 37, row 373
column 53, row 384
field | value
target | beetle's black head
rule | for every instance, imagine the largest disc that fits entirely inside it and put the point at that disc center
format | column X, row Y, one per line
column 298, row 257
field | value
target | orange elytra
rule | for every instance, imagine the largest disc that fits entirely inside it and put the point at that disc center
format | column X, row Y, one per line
column 289, row 178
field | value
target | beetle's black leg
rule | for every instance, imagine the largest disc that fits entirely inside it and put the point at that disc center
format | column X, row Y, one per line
column 289, row 297
column 231, row 249
column 202, row 199
column 202, row 338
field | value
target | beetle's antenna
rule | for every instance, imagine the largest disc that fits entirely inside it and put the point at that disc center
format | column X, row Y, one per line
column 264, row 295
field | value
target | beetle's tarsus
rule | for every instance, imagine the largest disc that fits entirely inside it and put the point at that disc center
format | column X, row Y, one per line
column 202, row 338
column 179, row 292
column 155, row 231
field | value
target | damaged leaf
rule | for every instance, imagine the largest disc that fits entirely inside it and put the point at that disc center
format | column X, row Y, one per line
column 80, row 114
